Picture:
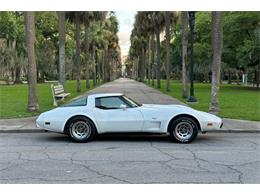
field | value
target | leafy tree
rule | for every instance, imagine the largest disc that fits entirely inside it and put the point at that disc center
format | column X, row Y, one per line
column 13, row 50
column 47, row 44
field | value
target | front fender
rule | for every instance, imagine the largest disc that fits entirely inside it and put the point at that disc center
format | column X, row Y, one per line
column 184, row 114
column 79, row 114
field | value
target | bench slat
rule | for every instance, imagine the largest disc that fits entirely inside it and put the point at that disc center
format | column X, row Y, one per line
column 58, row 87
column 59, row 91
column 62, row 95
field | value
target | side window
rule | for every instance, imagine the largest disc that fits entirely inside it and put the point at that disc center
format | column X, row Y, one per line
column 109, row 102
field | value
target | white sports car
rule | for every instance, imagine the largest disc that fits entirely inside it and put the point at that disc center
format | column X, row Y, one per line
column 94, row 114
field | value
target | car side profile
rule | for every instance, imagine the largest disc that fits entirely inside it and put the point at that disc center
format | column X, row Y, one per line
column 94, row 114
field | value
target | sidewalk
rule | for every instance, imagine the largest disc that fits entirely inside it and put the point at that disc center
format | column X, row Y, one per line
column 137, row 91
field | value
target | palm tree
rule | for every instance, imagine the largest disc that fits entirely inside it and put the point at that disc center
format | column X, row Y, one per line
column 110, row 44
column 106, row 66
column 141, row 26
column 158, row 58
column 77, row 37
column 61, row 24
column 152, row 58
column 167, row 34
column 151, row 48
column 32, row 71
column 86, row 41
column 90, row 17
column 158, row 20
column 149, row 60
column 184, row 23
column 77, row 18
column 217, row 42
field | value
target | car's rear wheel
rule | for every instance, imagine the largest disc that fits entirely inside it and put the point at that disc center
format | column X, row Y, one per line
column 81, row 129
column 183, row 130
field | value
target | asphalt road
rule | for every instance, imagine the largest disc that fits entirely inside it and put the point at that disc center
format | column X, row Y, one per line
column 53, row 158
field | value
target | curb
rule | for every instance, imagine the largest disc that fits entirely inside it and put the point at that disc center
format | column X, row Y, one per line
column 24, row 131
column 234, row 131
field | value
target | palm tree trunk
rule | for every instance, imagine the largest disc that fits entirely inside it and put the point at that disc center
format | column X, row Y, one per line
column 106, row 65
column 217, row 42
column 138, row 68
column 78, row 50
column 13, row 74
column 167, row 33
column 158, row 65
column 258, row 75
column 98, row 67
column 229, row 76
column 18, row 75
column 32, row 70
column 152, row 60
column 61, row 21
column 103, row 64
column 142, row 65
column 94, row 67
column 149, row 60
column 87, row 50
column 184, row 22
column 133, row 70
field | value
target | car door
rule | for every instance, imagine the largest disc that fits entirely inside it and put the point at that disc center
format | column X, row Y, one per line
column 112, row 114
column 152, row 119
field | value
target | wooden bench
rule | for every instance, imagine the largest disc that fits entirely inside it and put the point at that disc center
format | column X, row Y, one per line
column 58, row 93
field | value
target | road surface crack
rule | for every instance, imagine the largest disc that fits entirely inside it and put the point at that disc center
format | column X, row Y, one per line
column 163, row 152
column 101, row 174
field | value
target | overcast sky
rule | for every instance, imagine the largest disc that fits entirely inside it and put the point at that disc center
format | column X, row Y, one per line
column 126, row 21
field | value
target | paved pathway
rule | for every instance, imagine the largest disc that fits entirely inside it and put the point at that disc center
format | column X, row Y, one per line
column 137, row 91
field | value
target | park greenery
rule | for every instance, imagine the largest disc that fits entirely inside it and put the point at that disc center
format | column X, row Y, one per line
column 226, row 48
column 241, row 46
column 236, row 101
column 36, row 47
column 13, row 98
column 81, row 50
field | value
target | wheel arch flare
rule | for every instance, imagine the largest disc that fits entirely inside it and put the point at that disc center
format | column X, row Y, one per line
column 65, row 127
column 184, row 115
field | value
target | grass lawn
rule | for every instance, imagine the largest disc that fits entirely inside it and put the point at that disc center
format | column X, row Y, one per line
column 13, row 98
column 236, row 101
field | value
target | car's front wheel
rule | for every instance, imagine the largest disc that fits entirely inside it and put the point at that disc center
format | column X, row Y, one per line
column 183, row 129
column 81, row 129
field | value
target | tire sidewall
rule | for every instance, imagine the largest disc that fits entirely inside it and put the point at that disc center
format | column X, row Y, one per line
column 86, row 120
column 187, row 120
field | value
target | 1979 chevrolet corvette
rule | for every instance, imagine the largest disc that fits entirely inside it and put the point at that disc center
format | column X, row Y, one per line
column 94, row 114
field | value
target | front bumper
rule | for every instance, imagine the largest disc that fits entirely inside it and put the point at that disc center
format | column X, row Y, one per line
column 40, row 121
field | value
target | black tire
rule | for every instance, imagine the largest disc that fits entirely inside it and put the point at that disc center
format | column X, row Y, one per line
column 81, row 129
column 183, row 130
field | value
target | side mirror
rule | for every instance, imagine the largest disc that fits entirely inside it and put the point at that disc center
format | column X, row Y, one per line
column 123, row 106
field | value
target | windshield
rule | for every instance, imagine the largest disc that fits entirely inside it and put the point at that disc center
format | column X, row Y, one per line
column 131, row 102
column 82, row 101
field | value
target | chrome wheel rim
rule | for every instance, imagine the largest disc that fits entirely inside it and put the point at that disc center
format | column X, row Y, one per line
column 80, row 130
column 183, row 131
